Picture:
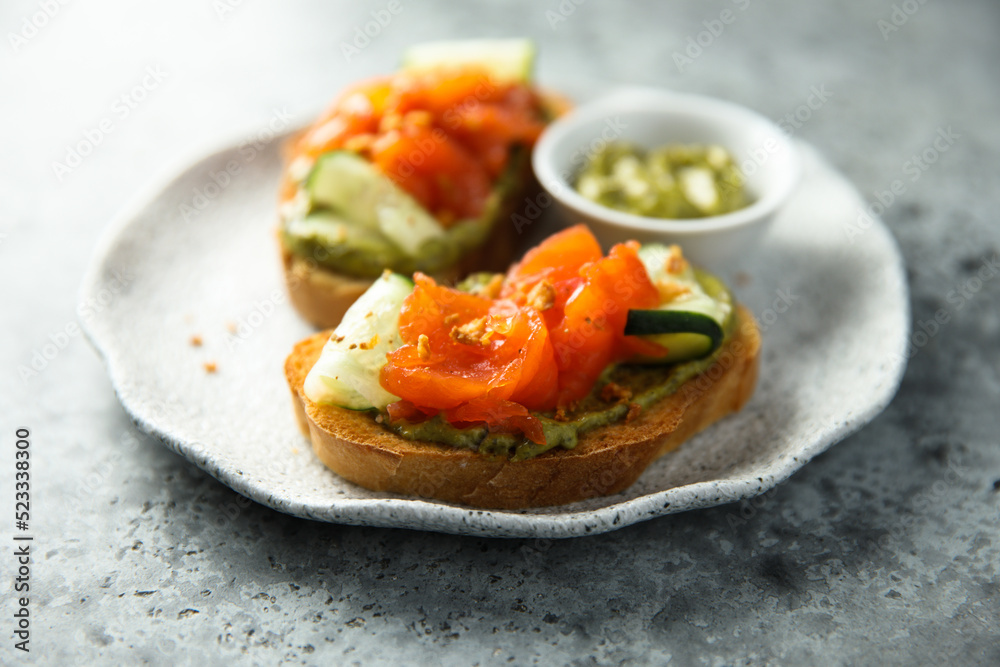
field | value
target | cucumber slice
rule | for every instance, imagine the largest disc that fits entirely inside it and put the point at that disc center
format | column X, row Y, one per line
column 507, row 60
column 340, row 181
column 334, row 231
column 338, row 243
column 347, row 372
column 690, row 326
column 351, row 186
column 686, row 335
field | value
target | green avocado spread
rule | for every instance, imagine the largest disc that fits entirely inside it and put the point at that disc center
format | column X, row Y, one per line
column 632, row 384
column 335, row 241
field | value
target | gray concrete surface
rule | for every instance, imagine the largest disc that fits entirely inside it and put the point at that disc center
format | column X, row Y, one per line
column 882, row 551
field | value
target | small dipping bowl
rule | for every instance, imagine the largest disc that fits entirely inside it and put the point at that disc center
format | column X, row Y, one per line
column 650, row 118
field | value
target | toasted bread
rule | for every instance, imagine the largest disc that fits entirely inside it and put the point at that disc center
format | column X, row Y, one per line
column 606, row 460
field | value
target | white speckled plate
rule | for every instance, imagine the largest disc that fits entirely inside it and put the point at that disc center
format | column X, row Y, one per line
column 198, row 257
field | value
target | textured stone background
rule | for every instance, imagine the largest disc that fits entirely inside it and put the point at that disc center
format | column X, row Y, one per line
column 881, row 551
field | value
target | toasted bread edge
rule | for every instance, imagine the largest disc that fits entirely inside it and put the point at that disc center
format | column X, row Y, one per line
column 606, row 460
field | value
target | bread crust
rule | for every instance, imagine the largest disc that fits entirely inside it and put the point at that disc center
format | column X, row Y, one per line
column 606, row 460
column 322, row 295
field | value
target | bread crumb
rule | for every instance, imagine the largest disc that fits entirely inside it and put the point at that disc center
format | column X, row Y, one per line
column 675, row 260
column 451, row 319
column 562, row 412
column 418, row 117
column 542, row 296
column 471, row 333
column 196, row 340
column 423, row 347
column 670, row 290
column 633, row 411
column 613, row 392
column 378, row 419
column 352, row 346
column 370, row 344
column 337, row 339
column 210, row 367
column 390, row 121
column 491, row 290
column 359, row 142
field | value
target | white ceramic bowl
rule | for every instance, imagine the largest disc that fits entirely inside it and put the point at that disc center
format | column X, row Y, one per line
column 650, row 117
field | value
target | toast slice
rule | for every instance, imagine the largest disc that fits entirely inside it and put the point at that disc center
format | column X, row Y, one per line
column 606, row 460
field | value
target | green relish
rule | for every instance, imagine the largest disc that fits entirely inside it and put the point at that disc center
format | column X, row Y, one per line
column 676, row 181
